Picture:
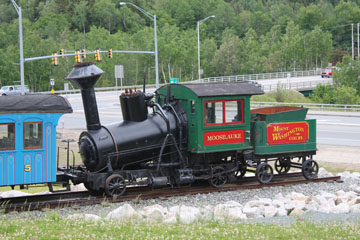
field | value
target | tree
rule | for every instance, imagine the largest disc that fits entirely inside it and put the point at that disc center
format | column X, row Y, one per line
column 348, row 74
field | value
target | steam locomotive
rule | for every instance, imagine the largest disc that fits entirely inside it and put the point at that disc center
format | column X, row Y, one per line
column 194, row 132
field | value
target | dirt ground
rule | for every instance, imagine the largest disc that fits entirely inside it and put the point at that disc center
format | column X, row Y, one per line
column 333, row 158
column 338, row 158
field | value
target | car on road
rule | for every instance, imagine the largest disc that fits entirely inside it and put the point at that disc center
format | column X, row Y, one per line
column 328, row 72
column 255, row 83
column 13, row 90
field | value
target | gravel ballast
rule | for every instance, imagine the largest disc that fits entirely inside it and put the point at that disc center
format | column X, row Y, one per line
column 349, row 181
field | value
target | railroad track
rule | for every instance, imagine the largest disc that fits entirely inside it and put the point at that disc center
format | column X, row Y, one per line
column 71, row 199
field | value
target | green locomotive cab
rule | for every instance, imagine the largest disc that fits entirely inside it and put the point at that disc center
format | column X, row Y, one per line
column 218, row 114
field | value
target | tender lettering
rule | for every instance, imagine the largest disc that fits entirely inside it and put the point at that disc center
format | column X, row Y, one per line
column 224, row 137
column 280, row 134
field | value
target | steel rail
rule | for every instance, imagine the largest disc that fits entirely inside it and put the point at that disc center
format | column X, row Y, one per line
column 71, row 199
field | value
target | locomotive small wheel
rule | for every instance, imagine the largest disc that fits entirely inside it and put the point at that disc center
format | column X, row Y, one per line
column 115, row 185
column 310, row 169
column 93, row 191
column 218, row 179
column 282, row 165
column 264, row 173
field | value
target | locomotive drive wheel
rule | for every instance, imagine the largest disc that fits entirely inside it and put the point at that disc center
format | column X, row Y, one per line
column 282, row 165
column 115, row 185
column 218, row 179
column 310, row 169
column 264, row 173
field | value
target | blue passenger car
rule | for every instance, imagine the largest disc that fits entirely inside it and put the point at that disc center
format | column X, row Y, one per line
column 28, row 138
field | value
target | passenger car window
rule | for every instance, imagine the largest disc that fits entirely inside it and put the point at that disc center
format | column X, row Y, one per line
column 7, row 136
column 33, row 135
column 224, row 112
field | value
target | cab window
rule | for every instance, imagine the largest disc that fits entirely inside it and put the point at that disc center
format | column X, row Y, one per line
column 224, row 112
column 7, row 136
column 33, row 135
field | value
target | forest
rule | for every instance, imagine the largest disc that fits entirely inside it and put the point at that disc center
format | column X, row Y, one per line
column 244, row 37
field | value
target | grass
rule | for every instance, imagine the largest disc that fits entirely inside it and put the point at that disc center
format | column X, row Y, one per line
column 282, row 95
column 54, row 227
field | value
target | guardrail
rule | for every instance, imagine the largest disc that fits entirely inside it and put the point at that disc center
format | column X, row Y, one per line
column 297, row 85
column 312, row 106
column 260, row 76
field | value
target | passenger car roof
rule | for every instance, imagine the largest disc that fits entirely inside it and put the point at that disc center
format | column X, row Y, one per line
column 34, row 104
column 223, row 89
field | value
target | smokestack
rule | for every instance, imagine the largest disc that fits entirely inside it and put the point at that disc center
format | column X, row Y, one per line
column 85, row 76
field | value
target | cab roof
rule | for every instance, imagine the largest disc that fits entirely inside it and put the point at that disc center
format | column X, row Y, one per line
column 222, row 89
column 34, row 104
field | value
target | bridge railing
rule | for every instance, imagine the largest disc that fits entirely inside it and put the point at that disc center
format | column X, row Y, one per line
column 260, row 76
column 297, row 85
column 312, row 106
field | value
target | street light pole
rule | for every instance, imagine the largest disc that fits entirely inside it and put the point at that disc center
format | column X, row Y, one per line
column 152, row 17
column 198, row 34
column 18, row 10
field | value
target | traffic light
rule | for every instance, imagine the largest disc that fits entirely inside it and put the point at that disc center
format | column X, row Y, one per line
column 62, row 52
column 83, row 51
column 97, row 55
column 54, row 59
column 110, row 53
column 77, row 56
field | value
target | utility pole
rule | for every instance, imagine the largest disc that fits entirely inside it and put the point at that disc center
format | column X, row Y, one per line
column 352, row 41
column 358, row 43
column 18, row 10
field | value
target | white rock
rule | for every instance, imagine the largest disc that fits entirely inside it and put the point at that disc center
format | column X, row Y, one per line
column 297, row 196
column 86, row 217
column 299, row 204
column 188, row 215
column 232, row 204
column 224, row 212
column 341, row 192
column 323, row 173
column 277, row 203
column 312, row 206
column 123, row 213
column 355, row 208
column 279, row 196
column 76, row 188
column 355, row 188
column 339, row 200
column 320, row 199
column 13, row 193
column 327, row 195
column 281, row 211
column 289, row 206
column 341, row 208
column 260, row 202
column 270, row 211
column 354, row 201
column 154, row 214
column 174, row 210
column 355, row 175
column 344, row 175
column 251, row 212
column 296, row 212
column 207, row 213
column 170, row 219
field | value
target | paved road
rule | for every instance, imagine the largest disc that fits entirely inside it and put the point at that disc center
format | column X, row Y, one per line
column 333, row 130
